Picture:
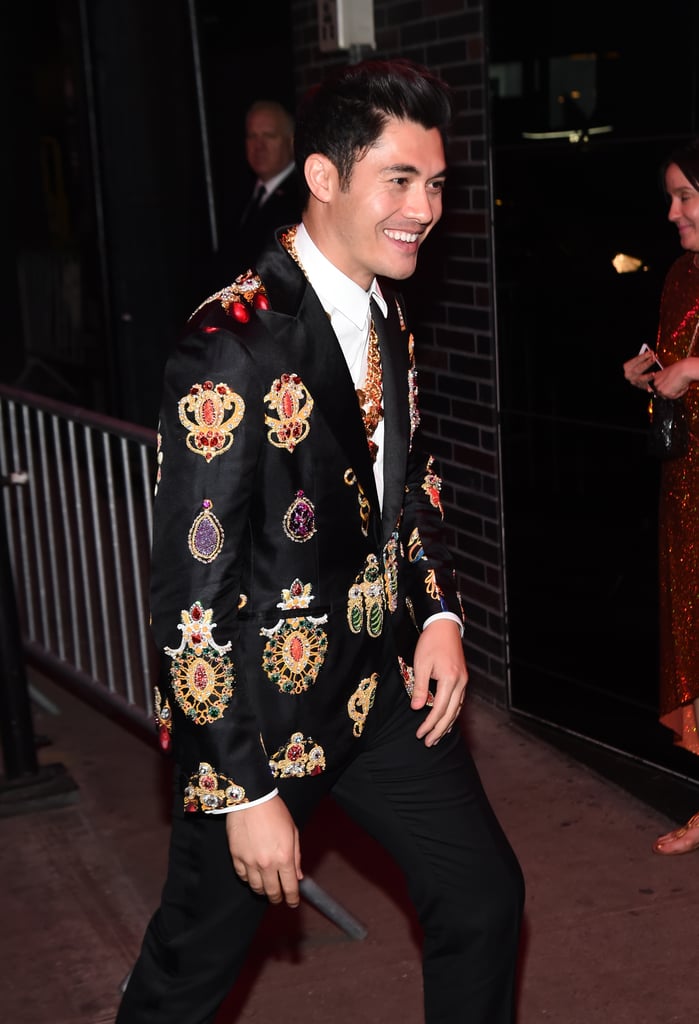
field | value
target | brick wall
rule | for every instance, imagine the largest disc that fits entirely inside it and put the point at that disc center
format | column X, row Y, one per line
column 451, row 303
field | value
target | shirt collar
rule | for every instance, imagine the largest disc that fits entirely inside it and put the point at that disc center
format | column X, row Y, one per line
column 274, row 182
column 335, row 290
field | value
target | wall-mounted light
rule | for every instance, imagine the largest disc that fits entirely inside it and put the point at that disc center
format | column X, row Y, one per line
column 572, row 134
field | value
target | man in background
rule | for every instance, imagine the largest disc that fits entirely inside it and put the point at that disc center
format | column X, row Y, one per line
column 275, row 197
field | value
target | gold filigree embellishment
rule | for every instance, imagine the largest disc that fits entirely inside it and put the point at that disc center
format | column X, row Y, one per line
column 209, row 790
column 299, row 522
column 370, row 396
column 206, row 535
column 361, row 702
column 289, row 398
column 162, row 712
column 204, row 413
column 432, row 486
column 202, row 676
column 390, row 564
column 300, row 756
column 366, row 600
column 350, row 479
column 294, row 653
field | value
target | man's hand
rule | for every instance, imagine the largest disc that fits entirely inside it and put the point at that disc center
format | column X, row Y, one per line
column 439, row 655
column 266, row 852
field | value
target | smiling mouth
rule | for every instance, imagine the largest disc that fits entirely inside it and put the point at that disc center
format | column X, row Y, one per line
column 402, row 236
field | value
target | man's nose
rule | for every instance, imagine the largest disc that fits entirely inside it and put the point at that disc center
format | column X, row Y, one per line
column 421, row 207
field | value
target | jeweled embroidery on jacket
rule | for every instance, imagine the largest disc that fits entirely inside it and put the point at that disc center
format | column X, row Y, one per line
column 432, row 486
column 299, row 523
column 408, row 675
column 298, row 595
column 366, row 600
column 361, row 702
column 415, row 548
column 206, row 535
column 295, row 648
column 289, row 398
column 202, row 676
column 350, row 479
column 162, row 712
column 401, row 318
column 246, row 292
column 294, row 653
column 390, row 570
column 433, row 589
column 412, row 390
column 300, row 756
column 208, row 790
column 210, row 412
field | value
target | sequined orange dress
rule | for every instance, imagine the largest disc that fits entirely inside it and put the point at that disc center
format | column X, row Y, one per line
column 678, row 516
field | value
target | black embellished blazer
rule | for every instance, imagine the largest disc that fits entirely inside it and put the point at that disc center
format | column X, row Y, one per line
column 280, row 592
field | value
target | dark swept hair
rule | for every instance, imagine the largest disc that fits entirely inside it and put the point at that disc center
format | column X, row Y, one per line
column 687, row 159
column 344, row 116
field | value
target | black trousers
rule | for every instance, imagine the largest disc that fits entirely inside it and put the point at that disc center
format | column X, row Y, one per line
column 427, row 807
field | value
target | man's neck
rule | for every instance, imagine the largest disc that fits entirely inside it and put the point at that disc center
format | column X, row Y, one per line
column 271, row 183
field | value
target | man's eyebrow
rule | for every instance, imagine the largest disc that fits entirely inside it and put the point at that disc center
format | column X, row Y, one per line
column 410, row 169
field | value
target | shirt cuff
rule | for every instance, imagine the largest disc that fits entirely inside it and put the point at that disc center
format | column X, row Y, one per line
column 244, row 807
column 445, row 615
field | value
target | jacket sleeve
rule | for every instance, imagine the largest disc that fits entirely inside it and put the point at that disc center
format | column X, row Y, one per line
column 209, row 441
column 427, row 562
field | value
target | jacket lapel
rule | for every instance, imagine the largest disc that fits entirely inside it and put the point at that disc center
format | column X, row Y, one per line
column 315, row 355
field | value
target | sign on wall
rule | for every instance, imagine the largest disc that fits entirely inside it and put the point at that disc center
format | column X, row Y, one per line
column 345, row 23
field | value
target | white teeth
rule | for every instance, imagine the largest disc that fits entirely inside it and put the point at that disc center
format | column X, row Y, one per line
column 403, row 236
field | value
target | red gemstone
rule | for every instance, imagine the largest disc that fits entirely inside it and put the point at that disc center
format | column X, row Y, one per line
column 208, row 412
column 240, row 312
column 261, row 301
column 191, row 807
column 208, row 385
column 164, row 737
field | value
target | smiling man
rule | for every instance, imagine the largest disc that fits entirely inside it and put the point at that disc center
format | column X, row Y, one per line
column 303, row 597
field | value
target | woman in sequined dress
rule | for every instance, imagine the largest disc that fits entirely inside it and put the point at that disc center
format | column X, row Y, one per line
column 677, row 351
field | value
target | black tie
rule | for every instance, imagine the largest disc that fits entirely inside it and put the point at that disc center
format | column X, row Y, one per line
column 254, row 203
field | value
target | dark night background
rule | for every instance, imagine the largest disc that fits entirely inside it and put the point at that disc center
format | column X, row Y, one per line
column 110, row 216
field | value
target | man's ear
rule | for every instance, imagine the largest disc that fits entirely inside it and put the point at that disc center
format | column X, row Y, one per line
column 321, row 176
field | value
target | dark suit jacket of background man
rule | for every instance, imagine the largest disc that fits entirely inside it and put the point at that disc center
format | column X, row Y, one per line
column 242, row 243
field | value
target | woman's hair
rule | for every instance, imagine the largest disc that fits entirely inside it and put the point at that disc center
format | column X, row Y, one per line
column 687, row 159
column 345, row 115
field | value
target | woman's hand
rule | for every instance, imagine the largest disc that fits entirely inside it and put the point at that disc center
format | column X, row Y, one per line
column 674, row 380
column 636, row 370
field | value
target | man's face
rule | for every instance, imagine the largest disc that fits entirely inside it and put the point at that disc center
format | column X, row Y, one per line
column 393, row 201
column 269, row 145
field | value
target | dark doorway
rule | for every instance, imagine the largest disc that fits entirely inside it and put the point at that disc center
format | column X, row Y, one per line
column 582, row 113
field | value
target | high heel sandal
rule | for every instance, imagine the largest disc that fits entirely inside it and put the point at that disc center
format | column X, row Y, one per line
column 680, row 840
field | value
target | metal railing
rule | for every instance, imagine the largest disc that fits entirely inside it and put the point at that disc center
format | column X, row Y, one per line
column 78, row 514
column 79, row 517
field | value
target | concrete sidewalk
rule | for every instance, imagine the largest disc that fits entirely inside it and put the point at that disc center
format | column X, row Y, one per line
column 610, row 933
